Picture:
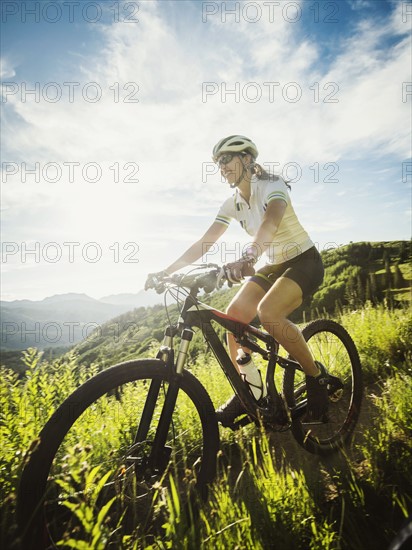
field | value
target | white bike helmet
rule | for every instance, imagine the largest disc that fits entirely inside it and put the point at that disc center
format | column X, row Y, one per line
column 235, row 144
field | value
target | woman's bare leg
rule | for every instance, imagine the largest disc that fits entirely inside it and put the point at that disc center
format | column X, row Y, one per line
column 281, row 300
column 243, row 307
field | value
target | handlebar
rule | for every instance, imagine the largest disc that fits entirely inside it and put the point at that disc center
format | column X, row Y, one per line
column 208, row 281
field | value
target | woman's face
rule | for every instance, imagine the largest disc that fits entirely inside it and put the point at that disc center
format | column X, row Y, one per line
column 231, row 169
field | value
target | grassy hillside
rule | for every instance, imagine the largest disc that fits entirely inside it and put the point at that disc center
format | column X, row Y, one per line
column 268, row 488
column 364, row 272
column 269, row 491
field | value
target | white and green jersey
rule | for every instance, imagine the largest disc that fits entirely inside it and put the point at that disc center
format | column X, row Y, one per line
column 290, row 239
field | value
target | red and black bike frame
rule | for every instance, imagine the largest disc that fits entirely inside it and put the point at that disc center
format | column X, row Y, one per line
column 196, row 314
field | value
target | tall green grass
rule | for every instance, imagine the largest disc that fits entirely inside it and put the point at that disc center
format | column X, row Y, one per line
column 269, row 492
column 383, row 338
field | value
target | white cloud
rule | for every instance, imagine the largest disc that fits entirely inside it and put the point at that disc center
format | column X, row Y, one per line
column 359, row 4
column 6, row 68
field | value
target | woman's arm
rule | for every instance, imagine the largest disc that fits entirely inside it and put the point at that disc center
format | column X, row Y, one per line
column 199, row 248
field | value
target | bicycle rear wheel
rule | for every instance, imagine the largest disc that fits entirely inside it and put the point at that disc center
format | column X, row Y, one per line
column 96, row 462
column 330, row 344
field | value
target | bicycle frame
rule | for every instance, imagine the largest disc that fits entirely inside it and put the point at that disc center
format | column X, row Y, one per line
column 197, row 314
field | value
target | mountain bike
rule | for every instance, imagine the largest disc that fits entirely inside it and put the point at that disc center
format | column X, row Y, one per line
column 138, row 431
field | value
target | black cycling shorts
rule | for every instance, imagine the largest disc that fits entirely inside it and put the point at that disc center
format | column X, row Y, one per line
column 306, row 270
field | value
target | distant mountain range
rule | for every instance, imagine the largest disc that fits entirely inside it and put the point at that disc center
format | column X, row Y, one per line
column 64, row 319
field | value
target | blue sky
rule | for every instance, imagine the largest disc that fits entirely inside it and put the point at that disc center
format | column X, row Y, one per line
column 123, row 180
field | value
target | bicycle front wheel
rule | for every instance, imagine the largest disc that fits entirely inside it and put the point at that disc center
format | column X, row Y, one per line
column 105, row 462
column 330, row 344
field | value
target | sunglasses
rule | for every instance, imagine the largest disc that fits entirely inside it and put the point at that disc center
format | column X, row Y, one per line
column 225, row 158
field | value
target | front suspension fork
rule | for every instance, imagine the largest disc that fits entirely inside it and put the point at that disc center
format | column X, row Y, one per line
column 160, row 453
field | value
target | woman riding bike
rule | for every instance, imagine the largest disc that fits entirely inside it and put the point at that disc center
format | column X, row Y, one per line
column 294, row 270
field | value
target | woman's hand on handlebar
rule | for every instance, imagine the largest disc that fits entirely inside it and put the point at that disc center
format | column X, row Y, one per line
column 235, row 272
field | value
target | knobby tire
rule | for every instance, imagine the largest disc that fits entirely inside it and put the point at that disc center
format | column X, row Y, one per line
column 110, row 386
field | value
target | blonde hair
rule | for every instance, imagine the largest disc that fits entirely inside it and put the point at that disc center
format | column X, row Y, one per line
column 262, row 174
